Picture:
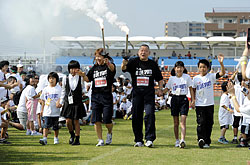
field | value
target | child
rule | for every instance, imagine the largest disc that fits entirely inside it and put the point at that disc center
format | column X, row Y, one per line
column 225, row 117
column 31, row 105
column 71, row 100
column 125, row 105
column 237, row 117
column 179, row 83
column 244, row 110
column 204, row 100
column 115, row 101
column 3, row 120
column 50, row 111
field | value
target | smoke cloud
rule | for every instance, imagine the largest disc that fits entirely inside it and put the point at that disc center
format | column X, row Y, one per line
column 97, row 10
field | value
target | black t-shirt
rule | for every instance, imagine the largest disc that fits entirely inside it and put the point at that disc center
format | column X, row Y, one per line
column 102, row 78
column 143, row 73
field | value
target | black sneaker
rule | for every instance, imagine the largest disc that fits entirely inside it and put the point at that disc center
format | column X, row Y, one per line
column 201, row 143
column 3, row 141
column 71, row 140
column 75, row 143
column 234, row 141
column 243, row 144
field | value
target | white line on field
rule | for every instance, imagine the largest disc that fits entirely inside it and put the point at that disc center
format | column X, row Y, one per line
column 103, row 155
column 116, row 150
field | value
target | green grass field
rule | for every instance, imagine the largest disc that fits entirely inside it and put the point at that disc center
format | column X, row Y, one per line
column 26, row 149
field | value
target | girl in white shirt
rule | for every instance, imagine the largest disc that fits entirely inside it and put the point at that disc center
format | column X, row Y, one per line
column 179, row 83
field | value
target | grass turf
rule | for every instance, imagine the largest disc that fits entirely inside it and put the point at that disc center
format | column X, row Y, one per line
column 26, row 149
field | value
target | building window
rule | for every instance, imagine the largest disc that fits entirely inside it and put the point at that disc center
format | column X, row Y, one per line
column 217, row 34
column 229, row 34
column 241, row 20
column 243, row 34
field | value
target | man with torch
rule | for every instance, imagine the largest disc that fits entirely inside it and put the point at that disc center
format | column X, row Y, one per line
column 143, row 72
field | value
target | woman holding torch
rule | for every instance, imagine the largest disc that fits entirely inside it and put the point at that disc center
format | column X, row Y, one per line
column 102, row 75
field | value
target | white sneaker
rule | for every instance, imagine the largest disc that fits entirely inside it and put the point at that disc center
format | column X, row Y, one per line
column 28, row 132
column 182, row 144
column 206, row 146
column 109, row 139
column 138, row 144
column 149, row 144
column 177, row 143
column 100, row 143
column 201, row 143
column 56, row 141
column 35, row 133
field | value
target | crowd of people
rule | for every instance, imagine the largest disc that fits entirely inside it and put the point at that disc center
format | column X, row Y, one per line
column 38, row 103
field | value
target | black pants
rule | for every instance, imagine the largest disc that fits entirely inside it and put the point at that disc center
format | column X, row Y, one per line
column 205, row 121
column 143, row 99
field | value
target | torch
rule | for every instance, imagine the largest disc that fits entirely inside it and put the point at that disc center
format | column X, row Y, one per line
column 126, row 55
column 103, row 41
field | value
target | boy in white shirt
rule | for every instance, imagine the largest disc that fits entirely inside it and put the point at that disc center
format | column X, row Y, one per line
column 125, row 105
column 225, row 117
column 50, row 112
column 204, row 100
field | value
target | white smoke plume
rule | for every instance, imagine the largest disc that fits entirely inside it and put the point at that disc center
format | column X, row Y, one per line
column 97, row 9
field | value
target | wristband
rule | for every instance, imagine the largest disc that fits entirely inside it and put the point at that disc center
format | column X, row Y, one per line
column 243, row 63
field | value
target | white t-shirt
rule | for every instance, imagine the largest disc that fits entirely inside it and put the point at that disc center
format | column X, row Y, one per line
column 1, row 75
column 27, row 93
column 51, row 95
column 204, row 94
column 125, row 106
column 114, row 100
column 22, row 102
column 30, row 92
column 245, row 109
column 225, row 117
column 128, row 90
column 248, row 70
column 240, row 98
column 180, row 85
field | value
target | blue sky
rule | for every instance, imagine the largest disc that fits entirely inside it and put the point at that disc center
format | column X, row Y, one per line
column 22, row 27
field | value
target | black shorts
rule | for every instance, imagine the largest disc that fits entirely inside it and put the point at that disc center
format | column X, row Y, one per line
column 245, row 129
column 236, row 122
column 102, row 107
column 179, row 105
column 51, row 122
column 224, row 126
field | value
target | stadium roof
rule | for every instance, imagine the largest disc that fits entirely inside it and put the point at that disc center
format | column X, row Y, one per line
column 65, row 42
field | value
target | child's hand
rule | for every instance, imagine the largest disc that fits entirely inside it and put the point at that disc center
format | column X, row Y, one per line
column 220, row 58
column 193, row 104
column 58, row 105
